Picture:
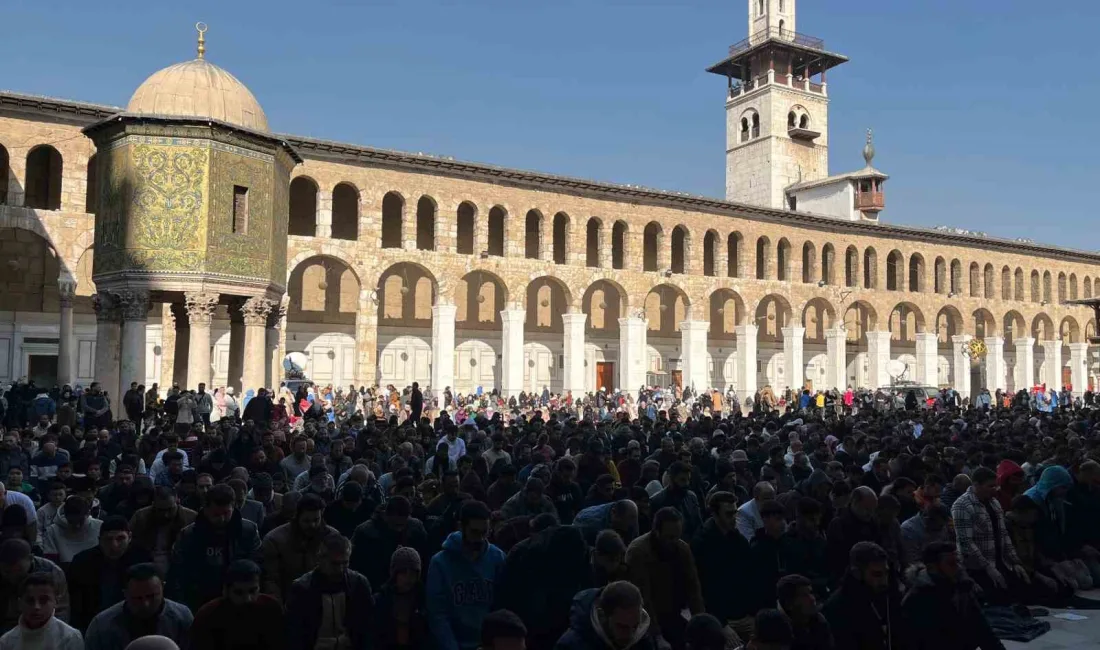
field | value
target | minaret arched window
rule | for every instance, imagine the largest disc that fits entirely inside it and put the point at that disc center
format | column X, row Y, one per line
column 755, row 125
column 744, row 129
column 792, row 120
column 759, row 8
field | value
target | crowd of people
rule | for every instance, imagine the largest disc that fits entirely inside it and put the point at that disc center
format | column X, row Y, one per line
column 321, row 519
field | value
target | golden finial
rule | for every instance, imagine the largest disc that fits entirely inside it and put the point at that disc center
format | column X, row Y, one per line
column 201, row 28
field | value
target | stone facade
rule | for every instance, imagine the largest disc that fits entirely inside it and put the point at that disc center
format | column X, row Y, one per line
column 517, row 316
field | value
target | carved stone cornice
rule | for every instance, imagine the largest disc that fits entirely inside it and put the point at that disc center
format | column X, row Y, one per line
column 256, row 311
column 200, row 306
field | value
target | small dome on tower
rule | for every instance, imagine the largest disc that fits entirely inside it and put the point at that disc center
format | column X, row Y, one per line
column 198, row 88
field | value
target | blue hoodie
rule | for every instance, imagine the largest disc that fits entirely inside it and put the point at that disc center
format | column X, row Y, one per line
column 1053, row 477
column 460, row 593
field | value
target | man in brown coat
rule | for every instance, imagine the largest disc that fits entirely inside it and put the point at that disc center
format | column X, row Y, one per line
column 290, row 551
column 165, row 515
column 663, row 569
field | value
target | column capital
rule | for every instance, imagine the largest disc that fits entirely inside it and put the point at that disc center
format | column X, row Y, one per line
column 106, row 307
column 1025, row 341
column 574, row 319
column 1078, row 348
column 1050, row 343
column 200, row 306
column 513, row 315
column 695, row 325
column 444, row 310
column 66, row 290
column 837, row 332
column 278, row 312
column 256, row 310
column 997, row 341
column 745, row 330
column 880, row 335
column 961, row 338
column 793, row 332
column 134, row 304
column 927, row 336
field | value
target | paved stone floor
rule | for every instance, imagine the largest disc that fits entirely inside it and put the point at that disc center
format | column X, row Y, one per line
column 1081, row 635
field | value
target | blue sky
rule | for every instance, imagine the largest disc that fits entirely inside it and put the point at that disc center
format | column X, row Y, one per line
column 984, row 110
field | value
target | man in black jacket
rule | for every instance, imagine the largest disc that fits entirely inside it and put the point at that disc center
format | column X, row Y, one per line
column 97, row 576
column 795, row 595
column 416, row 403
column 854, row 524
column 865, row 613
column 375, row 541
column 678, row 495
column 331, row 581
column 723, row 555
column 259, row 408
column 941, row 608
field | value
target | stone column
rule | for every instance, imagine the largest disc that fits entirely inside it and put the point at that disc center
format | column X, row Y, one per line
column 836, row 358
column 794, row 364
column 928, row 360
column 366, row 342
column 995, row 363
column 746, row 360
column 1078, row 367
column 275, row 342
column 664, row 250
column 511, row 351
column 1025, row 363
column 236, row 345
column 633, row 353
column 108, row 341
column 721, row 259
column 878, row 355
column 66, row 291
column 960, row 365
column 573, row 351
column 693, row 354
column 135, row 317
column 200, row 307
column 324, row 213
column 1052, row 354
column 255, row 312
column 443, row 349
column 180, row 350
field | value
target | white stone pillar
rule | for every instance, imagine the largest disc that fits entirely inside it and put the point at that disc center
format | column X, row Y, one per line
column 1024, row 377
column 200, row 311
column 1078, row 367
column 276, row 324
column 746, row 360
column 928, row 359
column 836, row 358
column 443, row 349
column 995, row 363
column 235, row 369
column 511, row 350
column 633, row 353
column 135, row 317
column 255, row 312
column 180, row 355
column 1052, row 355
column 878, row 355
column 324, row 213
column 693, row 354
column 794, row 364
column 108, row 341
column 960, row 365
column 66, row 290
column 573, row 351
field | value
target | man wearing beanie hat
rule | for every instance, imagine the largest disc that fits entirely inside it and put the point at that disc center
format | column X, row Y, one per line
column 97, row 575
column 400, row 620
column 530, row 502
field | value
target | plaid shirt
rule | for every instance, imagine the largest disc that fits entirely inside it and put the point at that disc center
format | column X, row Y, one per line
column 974, row 533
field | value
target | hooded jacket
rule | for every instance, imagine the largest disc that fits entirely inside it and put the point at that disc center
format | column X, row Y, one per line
column 586, row 633
column 62, row 542
column 1050, row 527
column 460, row 593
column 1005, row 470
column 944, row 615
column 805, row 488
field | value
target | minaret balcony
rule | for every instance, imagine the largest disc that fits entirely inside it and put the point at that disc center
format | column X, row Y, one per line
column 870, row 201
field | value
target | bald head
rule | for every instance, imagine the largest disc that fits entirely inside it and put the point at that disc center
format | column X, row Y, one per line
column 153, row 643
column 763, row 491
column 624, row 517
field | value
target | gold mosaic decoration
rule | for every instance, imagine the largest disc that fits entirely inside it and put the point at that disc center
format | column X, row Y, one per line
column 246, row 254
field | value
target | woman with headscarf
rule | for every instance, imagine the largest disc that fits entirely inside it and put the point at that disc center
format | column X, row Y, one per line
column 219, row 405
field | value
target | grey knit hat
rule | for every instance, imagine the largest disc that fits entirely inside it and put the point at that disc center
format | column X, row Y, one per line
column 404, row 558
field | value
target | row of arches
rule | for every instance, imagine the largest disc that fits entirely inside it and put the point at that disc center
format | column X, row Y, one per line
column 324, row 289
column 42, row 181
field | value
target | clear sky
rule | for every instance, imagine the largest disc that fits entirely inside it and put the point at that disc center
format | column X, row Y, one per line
column 985, row 111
